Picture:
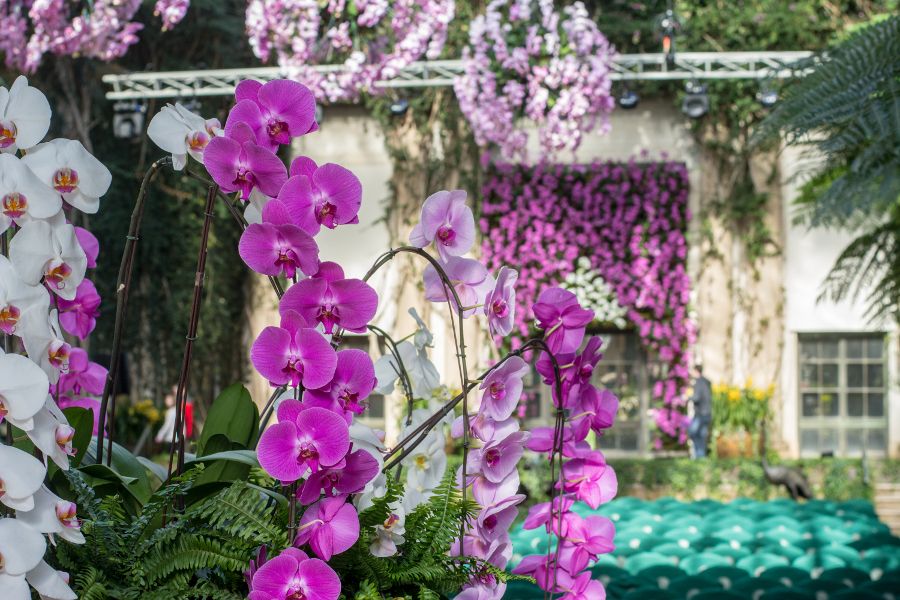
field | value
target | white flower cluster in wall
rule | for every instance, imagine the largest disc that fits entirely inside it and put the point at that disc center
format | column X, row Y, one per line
column 595, row 294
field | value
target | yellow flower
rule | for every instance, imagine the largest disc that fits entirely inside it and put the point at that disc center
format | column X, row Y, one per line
column 734, row 395
column 749, row 383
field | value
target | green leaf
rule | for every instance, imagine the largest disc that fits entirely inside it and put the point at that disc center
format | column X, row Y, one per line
column 221, row 466
column 82, row 421
column 245, row 457
column 125, row 464
column 233, row 415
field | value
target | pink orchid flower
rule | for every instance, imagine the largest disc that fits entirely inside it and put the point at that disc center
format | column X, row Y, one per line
column 486, row 492
column 237, row 163
column 499, row 458
column 89, row 243
column 317, row 196
column 495, row 520
column 541, row 567
column 302, row 440
column 330, row 526
column 581, row 587
column 500, row 303
column 586, row 539
column 541, row 514
column 358, row 469
column 84, row 376
column 590, row 478
column 278, row 249
column 503, row 389
column 467, row 276
column 447, row 222
column 561, row 317
column 292, row 575
column 346, row 303
column 293, row 353
column 79, row 315
column 353, row 381
column 276, row 111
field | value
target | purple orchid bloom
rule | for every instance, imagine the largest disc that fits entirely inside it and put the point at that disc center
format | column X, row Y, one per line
column 347, row 303
column 330, row 526
column 581, row 587
column 494, row 521
column 448, row 222
column 590, row 478
column 500, row 303
column 79, row 315
column 587, row 538
column 83, row 376
column 292, row 575
column 486, row 492
column 469, row 278
column 293, row 353
column 358, row 469
column 238, row 163
column 89, row 244
column 353, row 381
column 276, row 111
column 558, row 313
column 316, row 196
column 312, row 439
column 281, row 249
column 498, row 459
column 503, row 389
column 541, row 514
column 541, row 567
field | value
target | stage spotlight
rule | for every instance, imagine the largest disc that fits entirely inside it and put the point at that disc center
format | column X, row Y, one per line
column 696, row 102
column 629, row 99
column 767, row 97
column 128, row 119
column 399, row 107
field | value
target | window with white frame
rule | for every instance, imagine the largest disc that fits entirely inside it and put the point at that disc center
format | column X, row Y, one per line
column 842, row 394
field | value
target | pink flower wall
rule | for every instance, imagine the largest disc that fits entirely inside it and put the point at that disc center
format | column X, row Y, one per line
column 630, row 221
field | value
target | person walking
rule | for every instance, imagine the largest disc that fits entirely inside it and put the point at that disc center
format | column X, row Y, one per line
column 700, row 424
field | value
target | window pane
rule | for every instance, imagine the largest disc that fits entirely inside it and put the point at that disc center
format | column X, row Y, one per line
column 854, row 348
column 874, row 376
column 829, row 375
column 809, row 375
column 808, row 350
column 828, row 440
column 876, row 440
column 855, row 405
column 828, row 349
column 810, row 405
column 809, row 440
column 876, row 405
column 854, row 441
column 874, row 347
column 855, row 376
column 830, row 404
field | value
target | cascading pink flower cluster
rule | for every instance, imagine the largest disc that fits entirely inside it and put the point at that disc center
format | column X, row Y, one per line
column 42, row 287
column 105, row 30
column 310, row 446
column 369, row 39
column 585, row 475
column 630, row 220
column 526, row 60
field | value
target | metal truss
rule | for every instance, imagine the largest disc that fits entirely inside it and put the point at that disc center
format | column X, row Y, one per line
column 435, row 73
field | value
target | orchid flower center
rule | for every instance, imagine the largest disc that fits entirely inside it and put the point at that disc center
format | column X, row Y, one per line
column 14, row 205
column 64, row 436
column 492, row 457
column 497, row 390
column 58, row 355
column 3, row 410
column 326, row 214
column 197, row 140
column 490, row 522
column 328, row 315
column 8, row 133
column 391, row 521
column 278, row 131
column 421, row 461
column 65, row 180
column 500, row 308
column 57, row 273
column 446, row 235
column 349, row 400
column 307, row 452
column 245, row 180
column 287, row 262
column 294, row 369
column 65, row 512
column 295, row 593
column 9, row 318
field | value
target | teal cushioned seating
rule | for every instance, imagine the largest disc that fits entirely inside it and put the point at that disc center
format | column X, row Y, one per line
column 677, row 550
column 727, row 576
column 789, row 551
column 855, row 594
column 878, row 559
column 881, row 587
column 787, row 576
column 761, row 561
column 835, row 536
column 817, row 562
column 636, row 545
column 522, row 590
column 717, row 595
column 647, row 593
column 645, row 560
column 705, row 560
column 850, row 576
column 828, row 586
column 875, row 541
column 752, row 587
column 781, row 535
column 730, row 551
column 620, row 588
column 783, row 593
column 661, row 575
column 845, row 553
column 690, row 585
column 736, row 534
column 776, row 522
column 607, row 573
column 607, row 559
column 688, row 534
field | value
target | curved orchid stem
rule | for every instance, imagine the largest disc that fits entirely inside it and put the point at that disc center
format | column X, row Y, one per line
column 269, row 408
column 401, row 371
column 123, row 287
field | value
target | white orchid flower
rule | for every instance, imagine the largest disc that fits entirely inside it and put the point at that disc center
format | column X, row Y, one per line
column 389, row 534
column 423, row 375
column 179, row 131
column 67, row 167
column 14, row 587
column 49, row 583
column 18, row 300
column 24, row 116
column 54, row 516
column 255, row 205
column 365, row 438
column 423, row 337
column 45, row 345
column 376, row 488
column 21, row 475
column 22, row 195
column 21, row 549
column 50, row 252
column 23, row 390
column 52, row 434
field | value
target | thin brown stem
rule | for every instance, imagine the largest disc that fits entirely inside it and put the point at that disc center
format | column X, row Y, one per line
column 123, row 288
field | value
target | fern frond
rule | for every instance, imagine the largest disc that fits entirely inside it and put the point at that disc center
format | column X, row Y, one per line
column 191, row 553
column 241, row 512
